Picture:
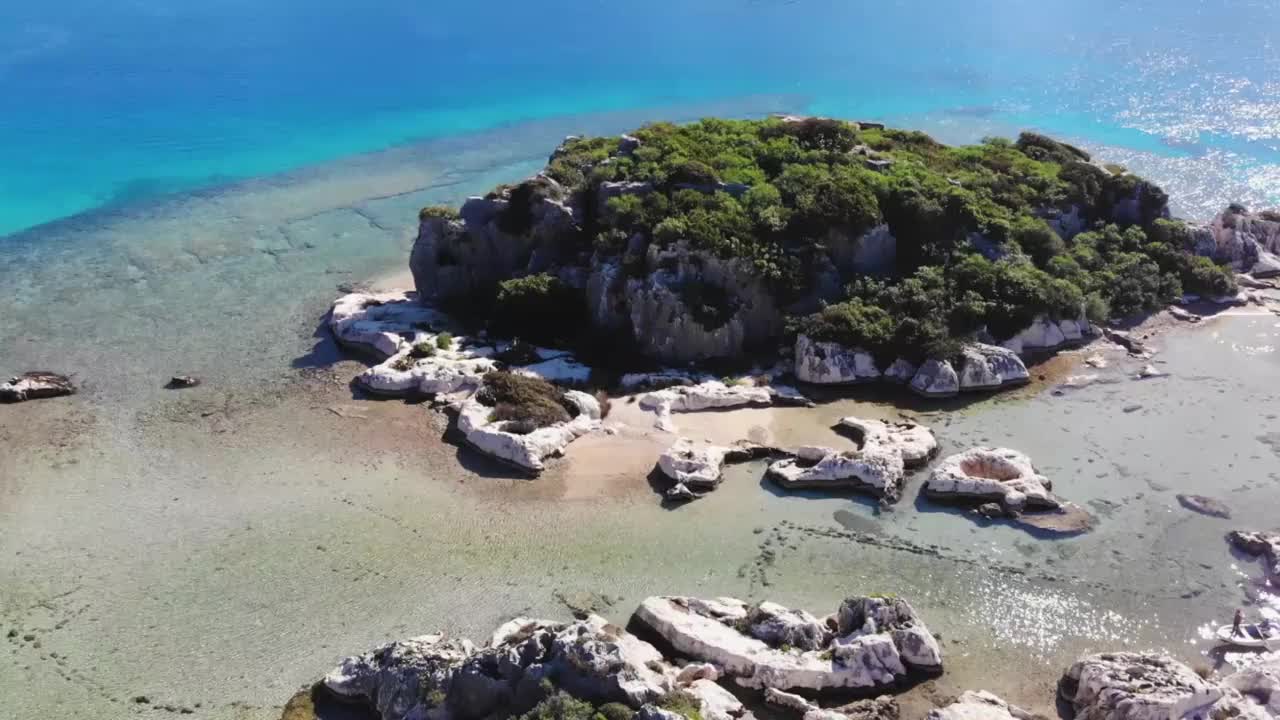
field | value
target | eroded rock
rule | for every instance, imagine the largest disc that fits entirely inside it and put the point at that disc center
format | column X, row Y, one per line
column 873, row 469
column 709, row 395
column 1259, row 544
column 506, row 440
column 980, row 705
column 988, row 367
column 936, row 379
column 828, row 363
column 914, row 442
column 984, row 475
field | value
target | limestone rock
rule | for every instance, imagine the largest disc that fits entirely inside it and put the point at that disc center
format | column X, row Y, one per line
column 884, row 707
column 828, row 363
column 881, row 649
column 777, row 626
column 1264, row 544
column 714, row 702
column 873, row 469
column 992, row 475
column 936, row 379
column 1126, row 340
column 502, row 439
column 980, row 705
column 697, row 465
column 35, row 386
column 379, row 323
column 900, row 372
column 789, row 701
column 1205, row 506
column 914, row 442
column 710, row 395
column 1134, row 686
column 395, row 677
column 988, row 367
column 1045, row 334
column 680, row 493
column 1241, row 239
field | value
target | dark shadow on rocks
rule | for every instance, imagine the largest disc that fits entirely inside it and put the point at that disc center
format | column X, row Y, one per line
column 317, row 703
column 326, row 351
column 473, row 460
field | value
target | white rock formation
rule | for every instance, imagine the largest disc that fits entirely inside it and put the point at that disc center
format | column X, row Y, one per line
column 875, row 642
column 900, row 372
column 714, row 702
column 380, row 323
column 36, row 385
column 980, row 705
column 1046, row 335
column 914, row 442
column 1133, row 686
column 874, row 469
column 697, row 465
column 992, row 475
column 710, row 395
column 394, row 677
column 936, row 379
column 526, row 450
column 828, row 363
column 988, row 367
column 445, row 372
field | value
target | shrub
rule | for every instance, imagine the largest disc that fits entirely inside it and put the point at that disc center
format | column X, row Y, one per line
column 444, row 341
column 709, row 305
column 1097, row 309
column 423, row 349
column 614, row 711
column 540, row 308
column 854, row 323
column 683, row 703
column 560, row 706
column 438, row 212
column 529, row 401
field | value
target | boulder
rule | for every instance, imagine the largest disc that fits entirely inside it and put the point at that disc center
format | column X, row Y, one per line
column 879, row 651
column 914, row 442
column 900, row 372
column 874, row 469
column 1000, row 475
column 1246, row 241
column 778, row 626
column 1259, row 544
column 1134, row 686
column 505, row 441
column 696, row 465
column 980, row 705
column 714, row 702
column 35, row 386
column 181, row 382
column 828, row 363
column 380, row 323
column 1045, row 334
column 444, row 373
column 987, row 367
column 936, row 379
column 395, row 678
column 1126, row 340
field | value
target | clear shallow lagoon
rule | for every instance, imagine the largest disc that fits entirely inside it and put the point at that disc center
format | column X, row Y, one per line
column 106, row 103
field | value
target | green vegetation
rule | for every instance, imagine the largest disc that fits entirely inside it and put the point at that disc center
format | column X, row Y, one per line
column 614, row 711
column 444, row 341
column 422, row 350
column 530, row 402
column 560, row 706
column 539, row 308
column 438, row 212
column 683, row 703
column 781, row 195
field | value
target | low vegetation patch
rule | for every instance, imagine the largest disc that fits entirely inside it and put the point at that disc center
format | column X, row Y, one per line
column 528, row 402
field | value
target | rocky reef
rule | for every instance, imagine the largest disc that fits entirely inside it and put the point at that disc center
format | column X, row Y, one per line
column 34, row 386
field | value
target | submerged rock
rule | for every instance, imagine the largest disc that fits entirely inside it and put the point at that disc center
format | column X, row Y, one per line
column 1205, row 506
column 992, row 475
column 179, row 382
column 980, row 705
column 875, row 642
column 35, row 386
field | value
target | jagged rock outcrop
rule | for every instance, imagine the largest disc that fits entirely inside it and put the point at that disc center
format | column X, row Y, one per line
column 828, row 363
column 1259, row 544
column 982, row 475
column 381, row 323
column 988, row 367
column 914, row 442
column 876, row 470
column 506, row 440
column 870, row 642
column 35, row 386
column 1248, row 242
column 884, row 707
column 980, row 705
column 590, row 659
column 1137, row 686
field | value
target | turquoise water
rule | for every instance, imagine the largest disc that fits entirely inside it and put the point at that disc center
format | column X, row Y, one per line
column 106, row 104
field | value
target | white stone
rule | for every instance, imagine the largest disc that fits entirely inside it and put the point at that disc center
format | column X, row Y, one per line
column 379, row 322
column 695, row 464
column 563, row 370
column 443, row 373
column 992, row 474
column 980, row 705
column 715, row 703
column 787, row 700
column 900, row 372
column 988, row 367
column 1133, row 686
column 707, row 631
column 828, row 363
column 709, row 395
column 936, row 378
column 913, row 441
column 873, row 469
column 526, row 450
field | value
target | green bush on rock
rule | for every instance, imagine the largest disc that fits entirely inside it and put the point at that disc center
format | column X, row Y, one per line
column 539, row 308
column 529, row 401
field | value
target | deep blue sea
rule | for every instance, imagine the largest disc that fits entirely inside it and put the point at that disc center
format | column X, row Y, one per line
column 108, row 103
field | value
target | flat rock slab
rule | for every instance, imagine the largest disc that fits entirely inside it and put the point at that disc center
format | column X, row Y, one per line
column 35, row 386
column 1205, row 506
